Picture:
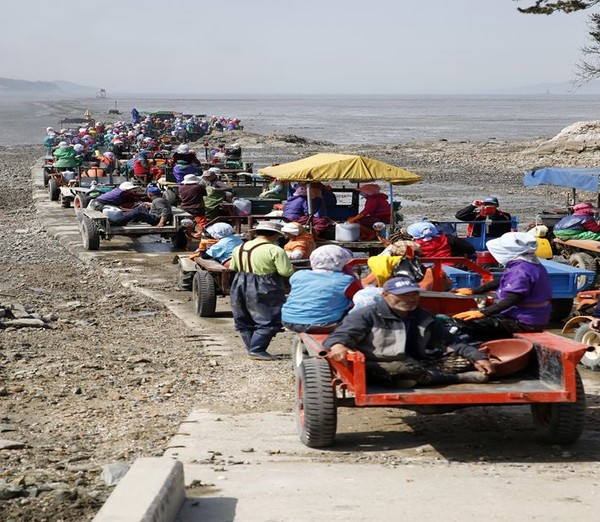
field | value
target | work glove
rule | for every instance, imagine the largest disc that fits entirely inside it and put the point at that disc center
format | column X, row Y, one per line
column 264, row 194
column 468, row 316
column 464, row 291
column 477, row 203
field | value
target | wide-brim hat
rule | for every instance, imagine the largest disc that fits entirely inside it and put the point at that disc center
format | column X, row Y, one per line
column 268, row 226
column 190, row 179
column 127, row 185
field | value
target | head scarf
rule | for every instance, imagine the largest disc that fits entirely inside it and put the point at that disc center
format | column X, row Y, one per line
column 423, row 230
column 300, row 190
column 370, row 189
column 512, row 246
column 329, row 258
column 220, row 230
column 583, row 209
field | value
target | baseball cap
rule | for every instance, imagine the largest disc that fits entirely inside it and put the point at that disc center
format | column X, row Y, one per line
column 400, row 285
column 491, row 200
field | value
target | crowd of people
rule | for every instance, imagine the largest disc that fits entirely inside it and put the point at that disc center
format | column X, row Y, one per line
column 404, row 344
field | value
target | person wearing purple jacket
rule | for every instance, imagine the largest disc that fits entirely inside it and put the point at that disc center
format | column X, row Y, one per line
column 524, row 292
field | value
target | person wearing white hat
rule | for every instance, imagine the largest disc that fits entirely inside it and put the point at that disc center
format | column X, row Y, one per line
column 257, row 291
column 523, row 293
column 320, row 297
column 122, row 197
column 65, row 157
column 300, row 242
column 227, row 242
column 191, row 198
column 184, row 161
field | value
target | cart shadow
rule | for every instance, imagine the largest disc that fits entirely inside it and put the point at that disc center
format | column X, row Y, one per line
column 474, row 434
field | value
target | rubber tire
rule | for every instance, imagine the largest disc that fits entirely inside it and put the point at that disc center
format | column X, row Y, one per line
column 46, row 177
column 185, row 279
column 584, row 334
column 80, row 202
column 299, row 353
column 90, row 236
column 204, row 294
column 315, row 404
column 585, row 262
column 53, row 189
column 561, row 422
column 65, row 202
column 179, row 240
column 561, row 308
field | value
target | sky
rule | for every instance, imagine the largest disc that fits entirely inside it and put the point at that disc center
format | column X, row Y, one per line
column 290, row 47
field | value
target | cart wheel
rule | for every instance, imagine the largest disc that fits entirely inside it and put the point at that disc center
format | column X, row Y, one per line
column 80, row 202
column 315, row 407
column 185, row 278
column 204, row 294
column 585, row 262
column 179, row 240
column 586, row 335
column 561, row 309
column 65, row 202
column 53, row 189
column 299, row 353
column 46, row 177
column 90, row 236
column 561, row 422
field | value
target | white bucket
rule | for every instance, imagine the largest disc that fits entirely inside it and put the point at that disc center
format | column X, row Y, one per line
column 242, row 206
column 347, row 232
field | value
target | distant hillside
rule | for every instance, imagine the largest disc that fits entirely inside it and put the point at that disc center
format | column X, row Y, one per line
column 9, row 86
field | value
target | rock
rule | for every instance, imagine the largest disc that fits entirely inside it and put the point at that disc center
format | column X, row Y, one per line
column 12, row 444
column 114, row 472
column 24, row 323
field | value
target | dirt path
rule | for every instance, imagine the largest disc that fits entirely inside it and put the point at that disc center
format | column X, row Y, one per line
column 114, row 373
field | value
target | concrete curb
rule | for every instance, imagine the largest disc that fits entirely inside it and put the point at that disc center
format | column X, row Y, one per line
column 153, row 490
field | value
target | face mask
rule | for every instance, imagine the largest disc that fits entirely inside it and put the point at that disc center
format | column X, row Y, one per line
column 487, row 211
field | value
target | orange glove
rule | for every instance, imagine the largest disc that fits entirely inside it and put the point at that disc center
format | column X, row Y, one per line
column 354, row 219
column 468, row 316
column 464, row 291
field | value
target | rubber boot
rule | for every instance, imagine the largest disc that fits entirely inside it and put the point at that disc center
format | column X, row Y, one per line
column 472, row 377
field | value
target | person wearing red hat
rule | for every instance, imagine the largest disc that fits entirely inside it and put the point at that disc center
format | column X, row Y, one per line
column 582, row 224
column 377, row 209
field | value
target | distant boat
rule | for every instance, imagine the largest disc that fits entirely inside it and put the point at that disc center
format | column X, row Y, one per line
column 101, row 93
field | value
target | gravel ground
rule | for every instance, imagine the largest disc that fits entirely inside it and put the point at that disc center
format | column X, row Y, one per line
column 112, row 375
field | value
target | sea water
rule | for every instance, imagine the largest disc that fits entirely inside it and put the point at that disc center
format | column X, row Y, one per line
column 339, row 119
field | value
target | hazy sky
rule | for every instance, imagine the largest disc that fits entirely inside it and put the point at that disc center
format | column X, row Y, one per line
column 289, row 46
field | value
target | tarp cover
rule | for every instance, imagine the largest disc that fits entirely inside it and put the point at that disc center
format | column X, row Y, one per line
column 583, row 178
column 339, row 167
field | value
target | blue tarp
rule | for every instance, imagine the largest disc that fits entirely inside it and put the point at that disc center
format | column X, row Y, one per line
column 582, row 178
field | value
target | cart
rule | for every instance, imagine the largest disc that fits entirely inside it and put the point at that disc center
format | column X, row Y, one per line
column 548, row 381
column 94, row 226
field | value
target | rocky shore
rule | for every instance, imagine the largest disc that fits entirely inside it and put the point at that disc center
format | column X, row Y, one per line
column 92, row 374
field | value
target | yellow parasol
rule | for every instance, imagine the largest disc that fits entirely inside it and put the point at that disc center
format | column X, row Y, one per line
column 340, row 167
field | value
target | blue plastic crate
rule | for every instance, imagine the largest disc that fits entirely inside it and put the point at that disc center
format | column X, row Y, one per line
column 462, row 278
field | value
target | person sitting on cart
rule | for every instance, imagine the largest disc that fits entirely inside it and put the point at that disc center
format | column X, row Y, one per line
column 184, row 161
column 581, row 224
column 405, row 345
column 300, row 242
column 296, row 209
column 65, row 157
column 191, row 198
column 218, row 194
column 483, row 210
column 320, row 297
column 156, row 213
column 434, row 243
column 142, row 167
column 524, row 292
column 227, row 241
column 377, row 209
column 258, row 291
column 124, row 197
